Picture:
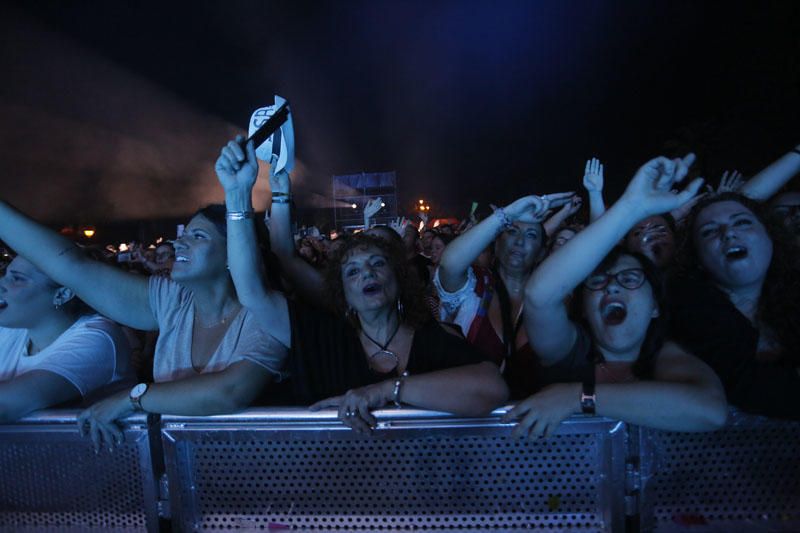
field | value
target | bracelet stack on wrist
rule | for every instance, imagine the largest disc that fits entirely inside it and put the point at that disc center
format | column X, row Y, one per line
column 281, row 198
column 501, row 214
column 239, row 215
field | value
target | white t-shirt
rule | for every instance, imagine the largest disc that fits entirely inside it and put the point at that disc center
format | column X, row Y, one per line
column 92, row 353
column 173, row 308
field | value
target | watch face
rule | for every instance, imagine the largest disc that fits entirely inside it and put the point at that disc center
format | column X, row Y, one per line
column 138, row 390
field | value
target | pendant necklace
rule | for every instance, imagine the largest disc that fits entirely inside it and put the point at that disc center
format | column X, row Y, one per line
column 384, row 348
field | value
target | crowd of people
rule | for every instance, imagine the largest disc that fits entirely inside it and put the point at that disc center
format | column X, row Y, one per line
column 660, row 309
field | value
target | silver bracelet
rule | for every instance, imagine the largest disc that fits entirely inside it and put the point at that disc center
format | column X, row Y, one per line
column 398, row 384
column 501, row 214
column 239, row 215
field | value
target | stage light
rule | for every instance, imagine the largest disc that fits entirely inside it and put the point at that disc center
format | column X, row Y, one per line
column 383, row 204
column 88, row 232
column 353, row 206
column 421, row 202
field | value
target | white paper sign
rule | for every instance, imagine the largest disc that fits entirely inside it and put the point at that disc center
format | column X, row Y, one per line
column 265, row 152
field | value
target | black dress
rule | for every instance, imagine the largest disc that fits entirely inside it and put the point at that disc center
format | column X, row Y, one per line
column 708, row 325
column 327, row 358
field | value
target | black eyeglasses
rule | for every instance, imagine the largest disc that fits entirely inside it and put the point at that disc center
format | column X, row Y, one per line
column 631, row 278
column 786, row 210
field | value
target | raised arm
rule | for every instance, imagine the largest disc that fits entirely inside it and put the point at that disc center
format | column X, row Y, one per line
column 464, row 250
column 556, row 221
column 550, row 331
column 769, row 181
column 593, row 183
column 237, row 172
column 119, row 295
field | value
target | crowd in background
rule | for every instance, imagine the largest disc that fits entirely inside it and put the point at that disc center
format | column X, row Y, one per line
column 659, row 309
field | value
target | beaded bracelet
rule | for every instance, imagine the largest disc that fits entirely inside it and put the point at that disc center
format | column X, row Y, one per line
column 503, row 217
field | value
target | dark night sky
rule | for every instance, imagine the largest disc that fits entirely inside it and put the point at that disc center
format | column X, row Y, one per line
column 117, row 109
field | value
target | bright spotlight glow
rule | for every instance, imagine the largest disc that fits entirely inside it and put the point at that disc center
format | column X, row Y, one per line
column 88, row 233
column 383, row 204
column 421, row 202
column 353, row 206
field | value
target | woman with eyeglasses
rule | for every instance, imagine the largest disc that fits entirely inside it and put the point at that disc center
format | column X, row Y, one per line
column 616, row 362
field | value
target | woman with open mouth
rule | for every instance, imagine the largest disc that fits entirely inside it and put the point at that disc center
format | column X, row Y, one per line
column 371, row 342
column 738, row 306
column 487, row 303
column 210, row 358
column 616, row 362
column 53, row 348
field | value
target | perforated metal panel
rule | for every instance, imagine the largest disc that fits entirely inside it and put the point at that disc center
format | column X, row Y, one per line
column 443, row 476
column 50, row 478
column 745, row 477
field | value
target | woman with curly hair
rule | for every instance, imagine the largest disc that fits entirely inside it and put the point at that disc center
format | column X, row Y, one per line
column 737, row 307
column 378, row 344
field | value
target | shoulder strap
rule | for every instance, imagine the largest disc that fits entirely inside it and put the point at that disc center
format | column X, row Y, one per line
column 509, row 340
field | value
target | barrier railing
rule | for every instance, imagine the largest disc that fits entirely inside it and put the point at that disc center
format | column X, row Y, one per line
column 292, row 468
column 50, row 478
column 289, row 468
column 745, row 477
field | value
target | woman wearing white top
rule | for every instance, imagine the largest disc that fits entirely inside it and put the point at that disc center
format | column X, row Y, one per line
column 210, row 358
column 50, row 352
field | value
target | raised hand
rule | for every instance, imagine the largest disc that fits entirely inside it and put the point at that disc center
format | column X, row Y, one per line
column 731, row 181
column 572, row 207
column 237, row 168
column 683, row 211
column 423, row 217
column 650, row 190
column 399, row 225
column 593, row 176
column 532, row 209
column 372, row 207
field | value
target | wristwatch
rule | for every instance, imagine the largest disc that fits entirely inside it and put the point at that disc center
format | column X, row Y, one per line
column 136, row 395
column 588, row 398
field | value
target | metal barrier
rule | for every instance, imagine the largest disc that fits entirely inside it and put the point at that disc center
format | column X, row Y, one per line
column 745, row 477
column 419, row 470
column 289, row 468
column 50, row 478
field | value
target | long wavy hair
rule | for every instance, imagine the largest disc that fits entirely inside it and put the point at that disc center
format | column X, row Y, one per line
column 415, row 312
column 777, row 306
column 657, row 330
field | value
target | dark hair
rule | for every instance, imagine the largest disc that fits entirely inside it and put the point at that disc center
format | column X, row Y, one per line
column 574, row 228
column 657, row 330
column 777, row 306
column 444, row 237
column 216, row 214
column 391, row 235
column 415, row 311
